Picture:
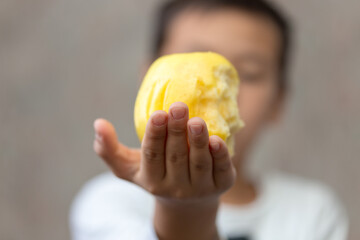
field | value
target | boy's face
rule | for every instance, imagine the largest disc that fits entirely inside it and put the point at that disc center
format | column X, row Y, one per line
column 251, row 42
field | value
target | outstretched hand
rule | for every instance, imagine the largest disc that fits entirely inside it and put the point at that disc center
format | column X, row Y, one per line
column 177, row 159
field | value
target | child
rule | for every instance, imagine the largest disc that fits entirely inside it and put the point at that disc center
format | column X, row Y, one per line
column 167, row 190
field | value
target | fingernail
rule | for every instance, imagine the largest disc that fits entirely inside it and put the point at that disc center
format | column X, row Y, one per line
column 215, row 146
column 196, row 129
column 98, row 137
column 159, row 119
column 178, row 112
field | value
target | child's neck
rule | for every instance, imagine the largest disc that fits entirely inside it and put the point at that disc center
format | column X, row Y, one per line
column 241, row 193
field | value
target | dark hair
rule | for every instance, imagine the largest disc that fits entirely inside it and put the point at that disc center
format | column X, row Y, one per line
column 171, row 8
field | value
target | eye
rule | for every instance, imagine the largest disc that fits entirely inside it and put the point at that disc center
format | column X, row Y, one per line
column 252, row 67
column 251, row 77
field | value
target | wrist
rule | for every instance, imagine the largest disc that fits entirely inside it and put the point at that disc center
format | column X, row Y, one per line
column 186, row 219
column 189, row 204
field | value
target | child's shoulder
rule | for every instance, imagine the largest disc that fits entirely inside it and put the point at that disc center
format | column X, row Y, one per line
column 107, row 188
column 306, row 200
column 296, row 188
column 106, row 196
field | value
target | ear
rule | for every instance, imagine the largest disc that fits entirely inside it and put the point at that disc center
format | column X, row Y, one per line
column 278, row 109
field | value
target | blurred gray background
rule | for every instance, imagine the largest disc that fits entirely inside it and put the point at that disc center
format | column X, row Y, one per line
column 64, row 63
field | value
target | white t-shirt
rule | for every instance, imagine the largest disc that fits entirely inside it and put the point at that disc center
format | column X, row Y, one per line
column 288, row 207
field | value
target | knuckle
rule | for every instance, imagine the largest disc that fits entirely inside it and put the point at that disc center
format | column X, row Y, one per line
column 155, row 135
column 222, row 154
column 178, row 158
column 150, row 155
column 199, row 142
column 202, row 165
column 223, row 167
column 177, row 131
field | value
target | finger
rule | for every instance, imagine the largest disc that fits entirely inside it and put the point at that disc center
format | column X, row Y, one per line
column 105, row 135
column 176, row 145
column 224, row 172
column 200, row 157
column 123, row 161
column 153, row 147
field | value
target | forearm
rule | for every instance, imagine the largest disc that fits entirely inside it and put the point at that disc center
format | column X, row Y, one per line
column 192, row 221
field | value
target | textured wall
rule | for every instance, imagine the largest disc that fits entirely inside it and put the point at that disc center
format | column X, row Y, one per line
column 65, row 62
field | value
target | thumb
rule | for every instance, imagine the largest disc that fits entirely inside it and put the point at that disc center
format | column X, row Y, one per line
column 122, row 160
